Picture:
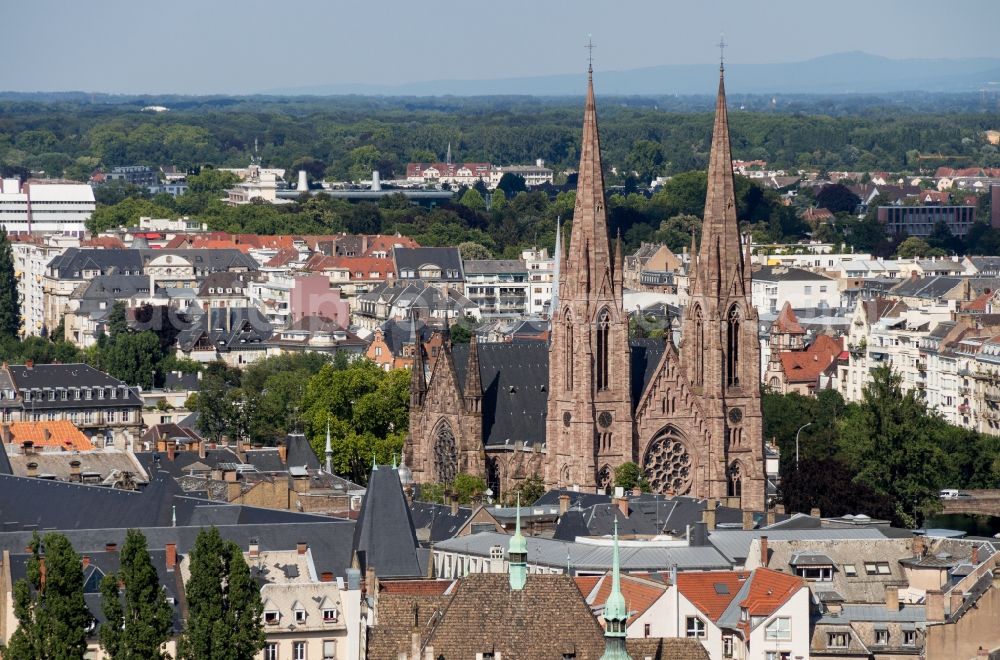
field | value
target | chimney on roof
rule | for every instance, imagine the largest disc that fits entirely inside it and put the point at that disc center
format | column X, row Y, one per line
column 27, row 447
column 254, row 549
column 171, row 449
column 85, row 561
column 326, row 576
column 892, row 598
column 301, row 547
column 748, row 520
column 74, row 470
column 32, row 469
column 919, row 546
column 934, row 607
column 636, row 492
column 974, row 559
column 201, row 449
column 815, row 512
column 763, row 551
column 29, row 363
column 708, row 514
column 770, row 520
column 110, row 547
column 622, row 504
column 453, row 500
column 171, row 550
column 283, row 453
column 563, row 504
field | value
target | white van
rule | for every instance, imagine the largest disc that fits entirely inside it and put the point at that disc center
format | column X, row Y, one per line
column 949, row 494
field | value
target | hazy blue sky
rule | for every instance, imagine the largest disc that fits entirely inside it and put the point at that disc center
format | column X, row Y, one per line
column 223, row 46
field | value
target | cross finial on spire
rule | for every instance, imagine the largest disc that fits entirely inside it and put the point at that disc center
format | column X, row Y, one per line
column 722, row 52
column 590, row 54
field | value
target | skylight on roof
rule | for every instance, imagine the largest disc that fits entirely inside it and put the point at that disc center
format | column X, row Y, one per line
column 721, row 588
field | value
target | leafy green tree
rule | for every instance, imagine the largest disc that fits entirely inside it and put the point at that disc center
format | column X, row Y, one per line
column 829, row 485
column 511, row 184
column 629, row 475
column 137, row 628
column 530, row 489
column 837, row 198
column 125, row 214
column 468, row 488
column 645, row 159
column 498, row 200
column 224, row 605
column 891, row 444
column 214, row 406
column 210, row 180
column 460, row 334
column 916, row 247
column 132, row 357
column 10, row 306
column 473, row 200
column 470, row 250
column 51, row 612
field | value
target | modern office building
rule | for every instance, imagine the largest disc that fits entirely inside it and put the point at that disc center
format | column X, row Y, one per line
column 41, row 206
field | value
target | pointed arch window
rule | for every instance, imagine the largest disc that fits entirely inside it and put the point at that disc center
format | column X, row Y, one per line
column 603, row 333
column 568, row 349
column 733, row 347
column 734, row 481
column 699, row 346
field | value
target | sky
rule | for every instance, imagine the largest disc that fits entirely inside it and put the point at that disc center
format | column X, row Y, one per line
column 230, row 47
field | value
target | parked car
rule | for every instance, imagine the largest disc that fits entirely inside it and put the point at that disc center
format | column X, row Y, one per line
column 949, row 494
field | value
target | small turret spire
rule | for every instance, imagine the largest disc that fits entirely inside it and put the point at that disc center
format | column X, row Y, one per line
column 615, row 611
column 517, row 553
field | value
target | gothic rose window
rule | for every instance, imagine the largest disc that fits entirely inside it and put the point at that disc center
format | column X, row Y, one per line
column 445, row 455
column 668, row 463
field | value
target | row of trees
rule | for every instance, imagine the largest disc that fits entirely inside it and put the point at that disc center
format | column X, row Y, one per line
column 887, row 455
column 346, row 138
column 54, row 622
column 365, row 408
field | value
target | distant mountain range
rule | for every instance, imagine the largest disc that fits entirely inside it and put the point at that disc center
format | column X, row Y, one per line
column 841, row 73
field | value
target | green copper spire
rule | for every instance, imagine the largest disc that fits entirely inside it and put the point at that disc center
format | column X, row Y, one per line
column 374, row 464
column 615, row 612
column 517, row 554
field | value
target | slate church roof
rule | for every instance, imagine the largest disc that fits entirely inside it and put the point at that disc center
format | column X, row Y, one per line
column 515, row 378
column 384, row 536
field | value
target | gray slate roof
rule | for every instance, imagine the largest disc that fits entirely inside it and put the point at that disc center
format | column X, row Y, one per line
column 384, row 537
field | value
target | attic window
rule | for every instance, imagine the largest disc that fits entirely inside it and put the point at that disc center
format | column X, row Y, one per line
column 271, row 617
column 850, row 570
column 300, row 616
column 330, row 616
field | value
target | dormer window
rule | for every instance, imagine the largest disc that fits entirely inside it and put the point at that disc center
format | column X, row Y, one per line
column 52, row 395
column 300, row 616
column 271, row 617
column 100, row 392
column 330, row 615
column 88, row 394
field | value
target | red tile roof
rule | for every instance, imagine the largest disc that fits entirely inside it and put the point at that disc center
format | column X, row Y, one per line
column 700, row 589
column 787, row 323
column 806, row 366
column 61, row 434
column 106, row 242
column 639, row 593
column 769, row 590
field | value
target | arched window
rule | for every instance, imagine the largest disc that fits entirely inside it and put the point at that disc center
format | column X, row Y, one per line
column 733, row 347
column 699, row 346
column 445, row 454
column 603, row 330
column 734, row 481
column 569, row 350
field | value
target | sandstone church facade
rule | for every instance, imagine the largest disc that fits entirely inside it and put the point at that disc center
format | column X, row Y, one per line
column 573, row 410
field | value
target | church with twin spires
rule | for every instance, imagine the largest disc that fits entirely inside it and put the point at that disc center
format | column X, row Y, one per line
column 574, row 409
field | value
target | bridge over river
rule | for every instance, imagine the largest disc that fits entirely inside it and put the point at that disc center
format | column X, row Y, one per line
column 978, row 503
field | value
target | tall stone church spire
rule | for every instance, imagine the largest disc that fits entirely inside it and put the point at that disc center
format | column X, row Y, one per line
column 589, row 417
column 720, row 348
column 720, row 257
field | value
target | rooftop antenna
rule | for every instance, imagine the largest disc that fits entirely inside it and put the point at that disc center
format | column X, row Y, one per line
column 722, row 51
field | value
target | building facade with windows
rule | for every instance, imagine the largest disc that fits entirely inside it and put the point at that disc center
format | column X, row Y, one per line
column 42, row 206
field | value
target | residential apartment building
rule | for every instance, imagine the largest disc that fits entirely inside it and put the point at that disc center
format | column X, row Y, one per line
column 500, row 287
column 920, row 220
column 31, row 256
column 105, row 409
column 533, row 175
column 774, row 285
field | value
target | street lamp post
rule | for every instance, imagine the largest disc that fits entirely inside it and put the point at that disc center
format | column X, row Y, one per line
column 797, row 443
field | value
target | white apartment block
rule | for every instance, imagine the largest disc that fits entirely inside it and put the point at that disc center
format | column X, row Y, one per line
column 541, row 275
column 43, row 207
column 802, row 289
